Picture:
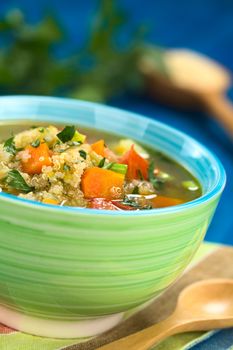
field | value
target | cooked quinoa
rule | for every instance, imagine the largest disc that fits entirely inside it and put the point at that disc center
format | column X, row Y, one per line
column 58, row 182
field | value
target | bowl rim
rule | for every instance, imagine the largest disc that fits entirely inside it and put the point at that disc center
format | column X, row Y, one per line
column 210, row 195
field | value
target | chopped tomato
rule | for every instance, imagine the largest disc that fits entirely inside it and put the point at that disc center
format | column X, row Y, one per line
column 137, row 166
column 102, row 183
column 101, row 203
column 110, row 155
column 39, row 156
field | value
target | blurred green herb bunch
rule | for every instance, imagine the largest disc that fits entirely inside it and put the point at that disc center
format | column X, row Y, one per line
column 29, row 64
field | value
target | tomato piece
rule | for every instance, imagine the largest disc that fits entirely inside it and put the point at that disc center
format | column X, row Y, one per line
column 101, row 203
column 137, row 166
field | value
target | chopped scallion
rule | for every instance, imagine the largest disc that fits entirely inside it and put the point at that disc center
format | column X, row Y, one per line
column 190, row 185
column 119, row 168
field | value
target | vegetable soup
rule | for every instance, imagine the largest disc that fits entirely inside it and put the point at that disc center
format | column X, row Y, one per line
column 70, row 166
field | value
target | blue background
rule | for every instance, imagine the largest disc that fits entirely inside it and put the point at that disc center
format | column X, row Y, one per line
column 202, row 25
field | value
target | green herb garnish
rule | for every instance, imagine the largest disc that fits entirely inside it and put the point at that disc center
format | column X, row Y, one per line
column 101, row 163
column 41, row 130
column 116, row 167
column 190, row 185
column 67, row 133
column 131, row 203
column 152, row 178
column 15, row 180
column 66, row 167
column 135, row 190
column 9, row 146
column 109, row 165
column 83, row 154
column 36, row 143
column 135, row 204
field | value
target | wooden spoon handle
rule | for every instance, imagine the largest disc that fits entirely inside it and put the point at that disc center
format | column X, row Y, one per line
column 222, row 109
column 150, row 336
column 146, row 338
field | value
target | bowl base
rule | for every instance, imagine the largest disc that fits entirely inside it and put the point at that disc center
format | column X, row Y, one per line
column 58, row 329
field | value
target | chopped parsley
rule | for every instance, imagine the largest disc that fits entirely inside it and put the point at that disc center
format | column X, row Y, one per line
column 135, row 190
column 15, row 180
column 66, row 167
column 9, row 146
column 83, row 154
column 101, row 163
column 67, row 133
column 36, row 143
column 133, row 202
column 152, row 178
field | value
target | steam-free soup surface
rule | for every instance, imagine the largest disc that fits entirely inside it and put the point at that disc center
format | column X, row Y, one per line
column 76, row 166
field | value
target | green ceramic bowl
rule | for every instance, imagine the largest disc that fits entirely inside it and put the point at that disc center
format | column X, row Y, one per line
column 71, row 272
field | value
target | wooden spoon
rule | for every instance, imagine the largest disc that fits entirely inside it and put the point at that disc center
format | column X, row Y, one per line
column 192, row 81
column 202, row 306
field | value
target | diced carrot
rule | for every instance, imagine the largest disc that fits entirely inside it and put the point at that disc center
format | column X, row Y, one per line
column 137, row 166
column 98, row 147
column 161, row 201
column 39, row 156
column 101, row 203
column 102, row 183
column 50, row 201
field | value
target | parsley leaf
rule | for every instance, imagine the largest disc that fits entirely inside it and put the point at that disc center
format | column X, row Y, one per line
column 67, row 133
column 15, row 180
column 152, row 178
column 36, row 143
column 101, row 163
column 66, row 167
column 83, row 154
column 9, row 146
column 133, row 202
column 135, row 190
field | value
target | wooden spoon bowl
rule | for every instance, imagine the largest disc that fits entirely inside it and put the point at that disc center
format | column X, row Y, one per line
column 203, row 305
column 192, row 81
